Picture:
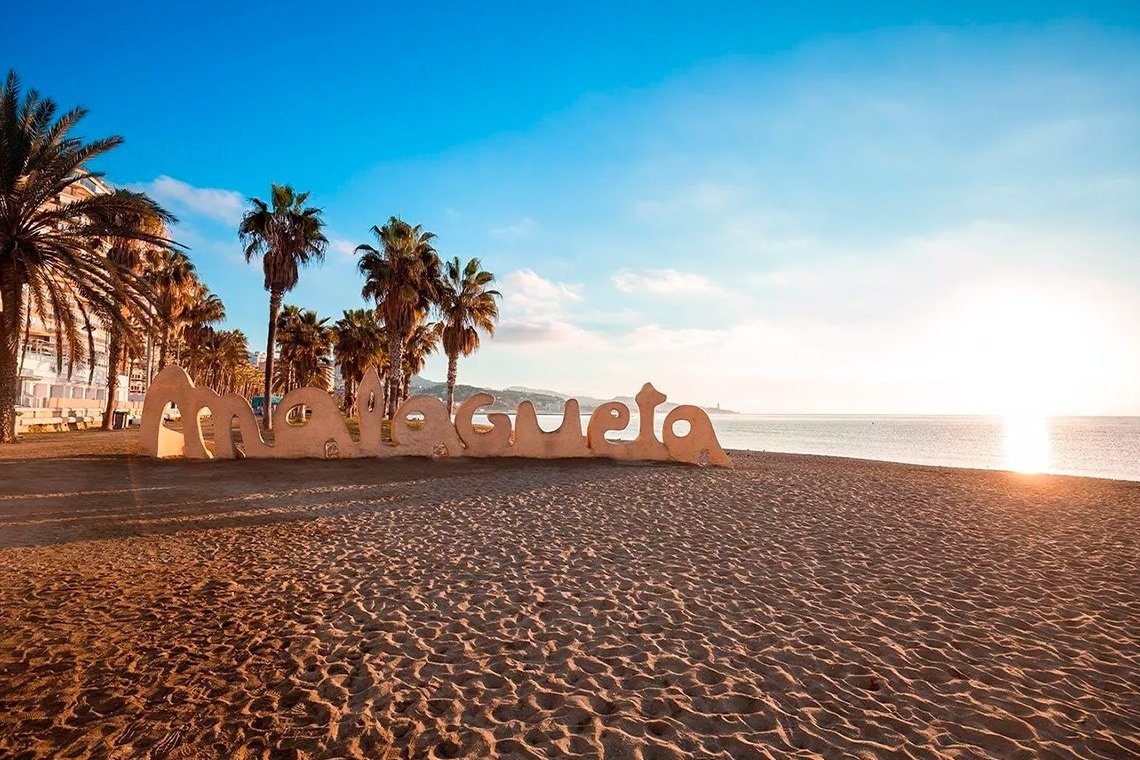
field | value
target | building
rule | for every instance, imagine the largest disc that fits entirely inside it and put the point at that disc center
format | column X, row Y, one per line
column 54, row 398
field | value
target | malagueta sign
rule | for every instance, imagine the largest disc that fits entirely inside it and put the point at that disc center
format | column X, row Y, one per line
column 421, row 427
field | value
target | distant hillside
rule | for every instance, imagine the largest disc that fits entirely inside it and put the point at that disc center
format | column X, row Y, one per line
column 505, row 400
column 545, row 401
column 524, row 389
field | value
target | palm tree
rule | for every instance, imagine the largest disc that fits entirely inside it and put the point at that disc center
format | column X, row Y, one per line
column 201, row 310
column 421, row 342
column 358, row 342
column 305, row 345
column 51, row 247
column 218, row 358
column 403, row 276
column 133, row 255
column 283, row 371
column 247, row 380
column 286, row 235
column 174, row 281
column 466, row 307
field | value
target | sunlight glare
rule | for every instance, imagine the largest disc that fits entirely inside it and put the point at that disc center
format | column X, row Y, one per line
column 1030, row 348
column 1027, row 443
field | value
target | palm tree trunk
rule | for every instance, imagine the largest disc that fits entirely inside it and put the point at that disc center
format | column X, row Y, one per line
column 116, row 351
column 10, row 302
column 271, row 342
column 395, row 373
column 452, row 371
column 27, row 338
column 163, row 348
column 349, row 397
column 149, row 356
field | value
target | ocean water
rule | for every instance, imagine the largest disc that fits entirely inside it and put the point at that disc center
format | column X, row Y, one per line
column 1106, row 447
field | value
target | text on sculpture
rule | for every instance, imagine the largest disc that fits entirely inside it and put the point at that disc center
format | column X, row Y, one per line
column 324, row 434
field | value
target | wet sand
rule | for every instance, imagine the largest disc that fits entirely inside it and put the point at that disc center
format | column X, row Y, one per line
column 793, row 607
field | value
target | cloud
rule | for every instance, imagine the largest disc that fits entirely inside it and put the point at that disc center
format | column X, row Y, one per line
column 529, row 292
column 546, row 332
column 699, row 197
column 534, row 313
column 221, row 205
column 788, row 279
column 344, row 249
column 519, row 229
column 664, row 281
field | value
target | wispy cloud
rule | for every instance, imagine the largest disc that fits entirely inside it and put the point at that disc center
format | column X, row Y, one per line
column 221, row 205
column 519, row 229
column 342, row 248
column 535, row 312
column 546, row 332
column 698, row 197
column 664, row 281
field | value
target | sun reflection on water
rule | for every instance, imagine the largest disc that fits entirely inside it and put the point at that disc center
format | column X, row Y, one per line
column 1027, row 444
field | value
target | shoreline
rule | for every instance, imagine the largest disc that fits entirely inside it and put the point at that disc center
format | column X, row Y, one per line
column 953, row 468
column 123, row 443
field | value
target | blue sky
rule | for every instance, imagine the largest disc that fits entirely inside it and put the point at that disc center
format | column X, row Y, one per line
column 917, row 208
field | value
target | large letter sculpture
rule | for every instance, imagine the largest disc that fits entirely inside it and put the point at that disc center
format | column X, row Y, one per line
column 421, row 427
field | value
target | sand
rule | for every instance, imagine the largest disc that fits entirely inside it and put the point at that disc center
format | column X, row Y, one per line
column 794, row 607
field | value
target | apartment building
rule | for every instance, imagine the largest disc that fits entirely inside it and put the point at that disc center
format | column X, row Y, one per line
column 54, row 398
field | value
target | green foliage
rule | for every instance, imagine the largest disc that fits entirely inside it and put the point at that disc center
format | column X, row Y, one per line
column 56, row 234
column 305, row 342
column 286, row 234
column 467, row 305
column 219, row 359
column 358, row 341
column 403, row 276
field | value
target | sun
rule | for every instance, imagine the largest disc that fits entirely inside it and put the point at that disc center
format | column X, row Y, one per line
column 1024, row 349
column 1026, row 443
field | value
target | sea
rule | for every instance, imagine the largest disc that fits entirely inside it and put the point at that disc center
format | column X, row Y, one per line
column 1103, row 447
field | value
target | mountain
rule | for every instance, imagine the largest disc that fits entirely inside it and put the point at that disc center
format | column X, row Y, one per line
column 524, row 389
column 506, row 400
column 545, row 401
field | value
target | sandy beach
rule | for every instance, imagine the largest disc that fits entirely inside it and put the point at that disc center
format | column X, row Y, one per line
column 793, row 607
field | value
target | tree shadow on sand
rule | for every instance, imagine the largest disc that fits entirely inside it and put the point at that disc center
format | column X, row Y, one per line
column 91, row 497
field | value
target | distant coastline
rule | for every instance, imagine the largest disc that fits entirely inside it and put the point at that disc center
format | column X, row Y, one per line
column 545, row 401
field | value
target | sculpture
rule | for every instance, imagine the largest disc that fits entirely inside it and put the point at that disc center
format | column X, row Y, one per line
column 420, row 427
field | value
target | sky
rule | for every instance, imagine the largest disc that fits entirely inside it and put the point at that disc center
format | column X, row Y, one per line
column 915, row 208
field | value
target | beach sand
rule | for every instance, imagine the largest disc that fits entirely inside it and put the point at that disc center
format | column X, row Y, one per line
column 793, row 607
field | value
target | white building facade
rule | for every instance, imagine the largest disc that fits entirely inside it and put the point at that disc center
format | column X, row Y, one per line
column 52, row 397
